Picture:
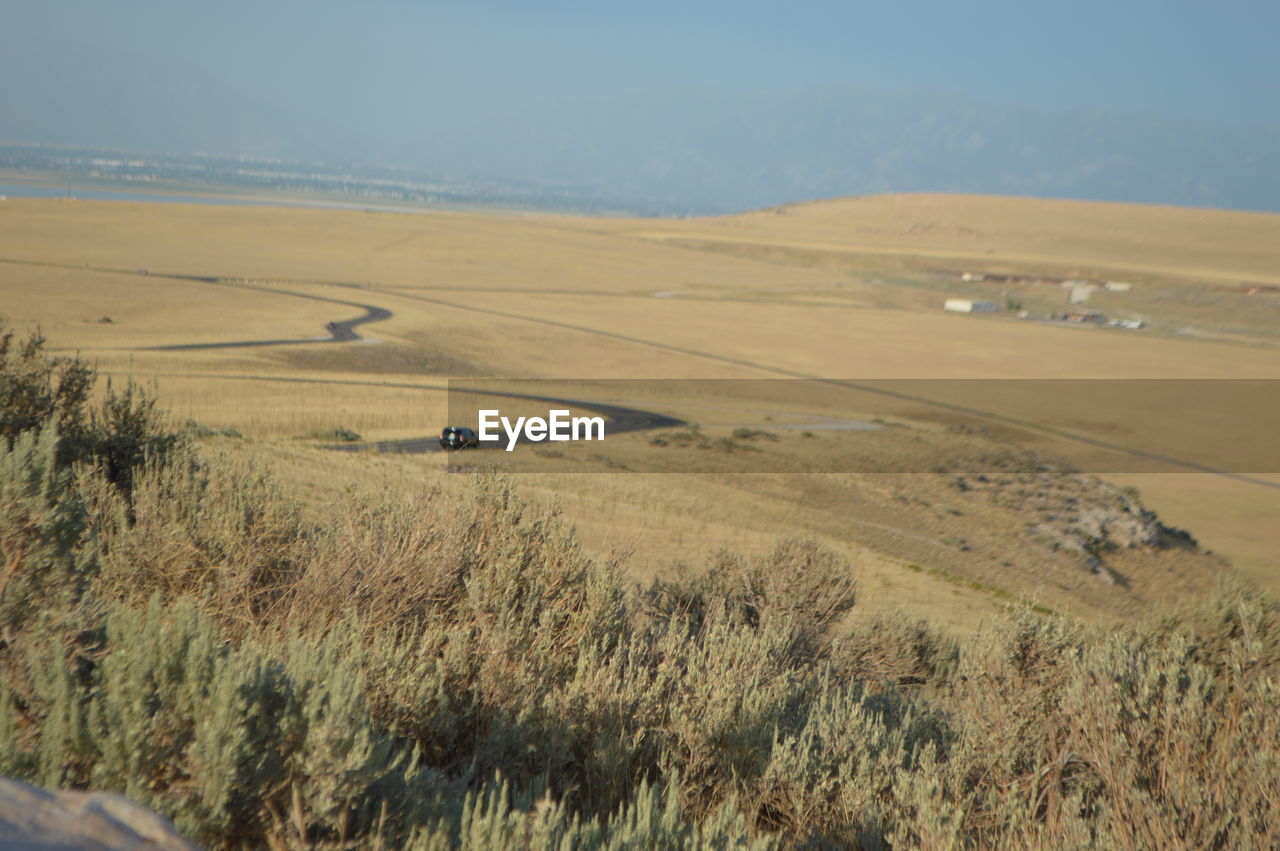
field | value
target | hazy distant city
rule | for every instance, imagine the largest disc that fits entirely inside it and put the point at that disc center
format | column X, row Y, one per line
column 82, row 170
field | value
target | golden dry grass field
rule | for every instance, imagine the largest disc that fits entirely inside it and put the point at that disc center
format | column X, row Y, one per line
column 848, row 289
column 1181, row 242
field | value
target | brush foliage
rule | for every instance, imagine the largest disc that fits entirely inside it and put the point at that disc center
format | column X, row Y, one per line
column 428, row 672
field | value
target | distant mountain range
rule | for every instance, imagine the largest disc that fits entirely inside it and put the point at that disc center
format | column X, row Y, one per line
column 694, row 151
column 725, row 151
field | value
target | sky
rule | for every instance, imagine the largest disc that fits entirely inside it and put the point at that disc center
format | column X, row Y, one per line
column 410, row 67
column 676, row 106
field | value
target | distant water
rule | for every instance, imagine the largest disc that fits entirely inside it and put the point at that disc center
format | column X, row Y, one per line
column 90, row 193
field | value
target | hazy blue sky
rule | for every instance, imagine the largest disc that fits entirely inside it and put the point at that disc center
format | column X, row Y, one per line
column 413, row 66
column 678, row 106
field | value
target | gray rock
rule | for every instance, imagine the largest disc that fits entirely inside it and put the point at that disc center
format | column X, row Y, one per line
column 34, row 819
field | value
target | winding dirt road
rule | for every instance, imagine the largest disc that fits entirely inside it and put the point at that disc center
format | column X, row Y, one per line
column 620, row 419
column 633, row 419
column 340, row 331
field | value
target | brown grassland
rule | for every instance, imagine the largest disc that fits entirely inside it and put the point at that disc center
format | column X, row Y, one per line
column 562, row 297
column 627, row 561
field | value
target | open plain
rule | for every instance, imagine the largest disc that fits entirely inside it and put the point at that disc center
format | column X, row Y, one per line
column 849, row 289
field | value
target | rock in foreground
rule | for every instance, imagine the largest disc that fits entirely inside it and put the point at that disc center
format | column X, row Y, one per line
column 34, row 819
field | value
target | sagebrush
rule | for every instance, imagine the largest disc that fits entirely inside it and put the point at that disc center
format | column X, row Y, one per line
column 429, row 672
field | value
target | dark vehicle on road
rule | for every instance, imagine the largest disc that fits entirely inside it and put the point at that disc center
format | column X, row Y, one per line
column 455, row 437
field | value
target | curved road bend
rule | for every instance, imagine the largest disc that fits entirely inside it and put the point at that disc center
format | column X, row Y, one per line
column 620, row 419
column 377, row 314
column 343, row 331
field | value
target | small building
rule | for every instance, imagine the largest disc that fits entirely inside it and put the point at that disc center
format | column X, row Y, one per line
column 1118, row 286
column 1079, row 294
column 968, row 305
column 973, row 276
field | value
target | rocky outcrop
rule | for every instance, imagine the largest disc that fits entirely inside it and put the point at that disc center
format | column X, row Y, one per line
column 1078, row 514
column 34, row 819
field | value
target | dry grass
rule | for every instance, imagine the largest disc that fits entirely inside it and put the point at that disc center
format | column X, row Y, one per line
column 870, row 343
column 493, row 295
column 1217, row 245
column 70, row 305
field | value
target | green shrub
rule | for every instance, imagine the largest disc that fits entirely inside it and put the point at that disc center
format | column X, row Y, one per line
column 38, row 391
column 45, row 561
column 338, row 433
column 431, row 672
column 753, row 434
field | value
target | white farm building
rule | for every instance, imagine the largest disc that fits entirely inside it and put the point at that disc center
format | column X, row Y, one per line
column 968, row 305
